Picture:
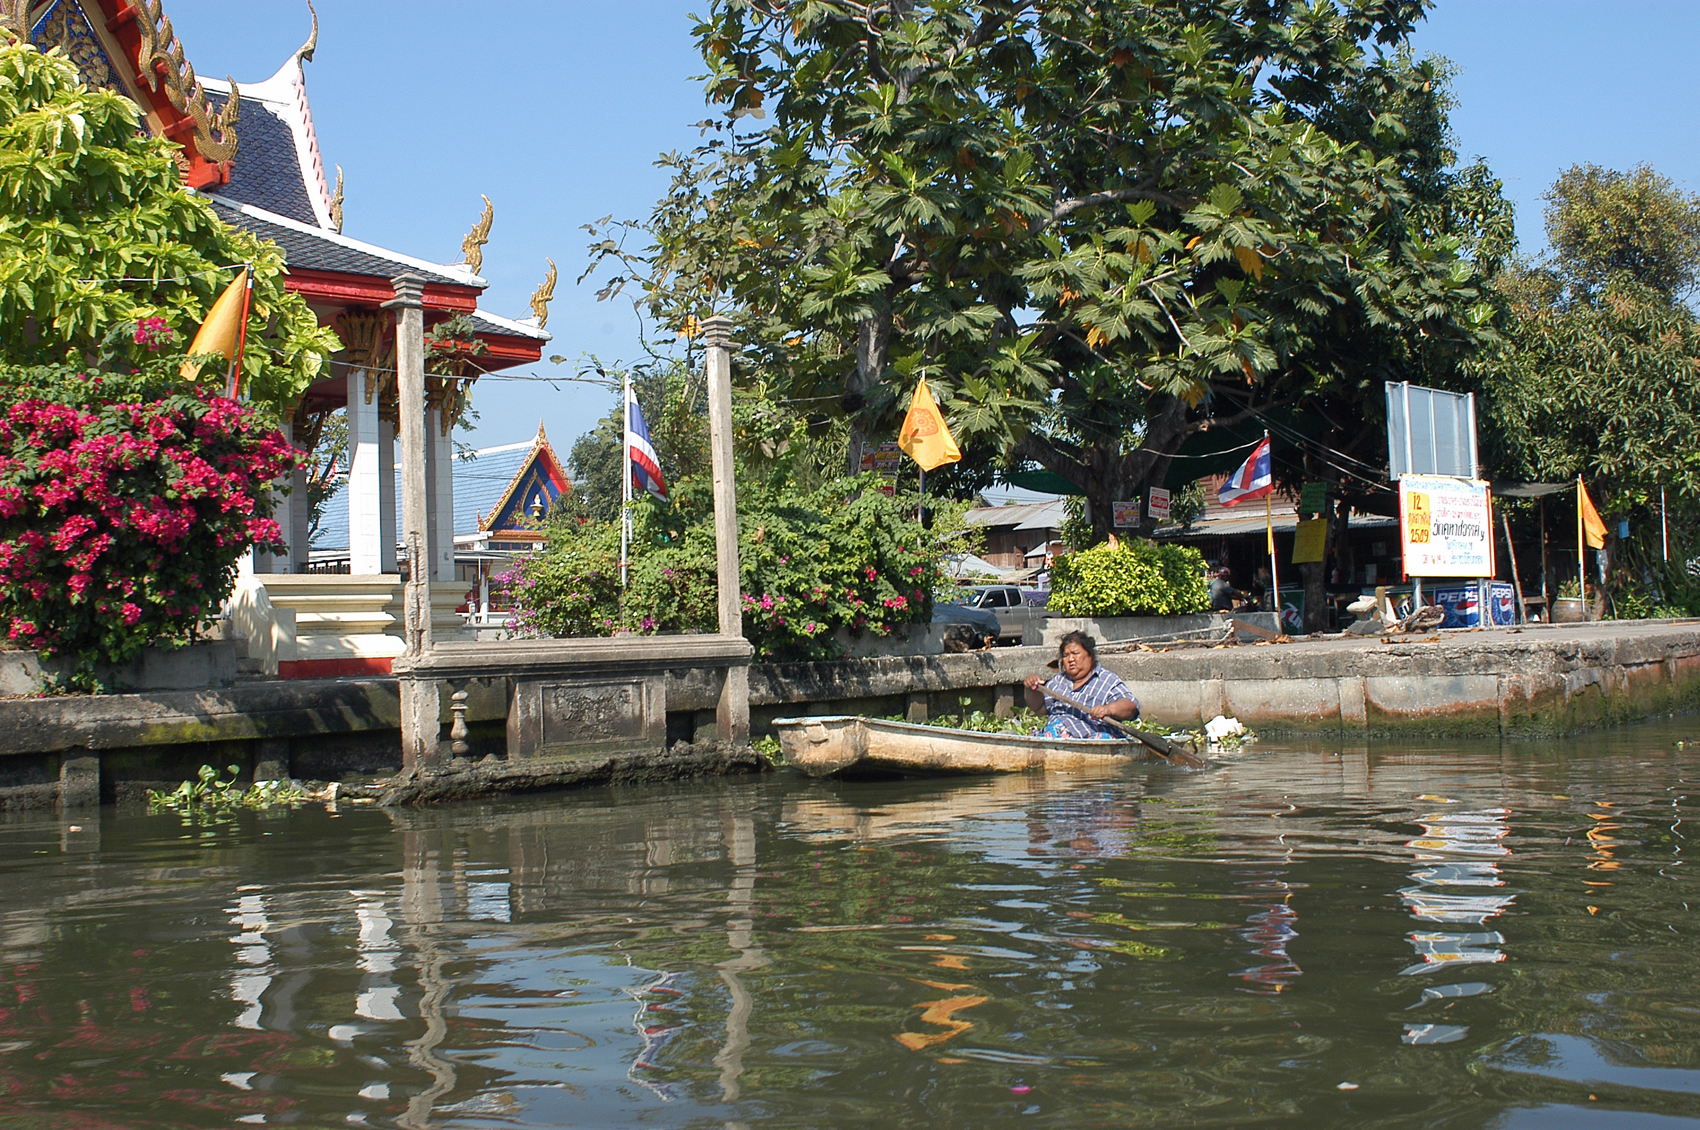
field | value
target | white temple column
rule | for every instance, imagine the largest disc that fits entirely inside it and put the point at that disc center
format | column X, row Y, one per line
column 299, row 531
column 283, row 512
column 440, row 496
column 371, row 483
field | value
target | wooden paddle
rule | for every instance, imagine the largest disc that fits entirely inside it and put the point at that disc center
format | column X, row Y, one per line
column 1162, row 747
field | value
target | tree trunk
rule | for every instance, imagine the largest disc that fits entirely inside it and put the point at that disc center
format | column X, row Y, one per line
column 1116, row 477
column 873, row 345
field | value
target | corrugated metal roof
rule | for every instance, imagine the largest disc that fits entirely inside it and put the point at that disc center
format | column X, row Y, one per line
column 1022, row 516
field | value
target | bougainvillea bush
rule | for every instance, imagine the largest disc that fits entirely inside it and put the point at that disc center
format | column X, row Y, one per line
column 811, row 562
column 125, row 504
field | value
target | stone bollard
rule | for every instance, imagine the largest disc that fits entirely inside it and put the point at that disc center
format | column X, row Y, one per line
column 79, row 782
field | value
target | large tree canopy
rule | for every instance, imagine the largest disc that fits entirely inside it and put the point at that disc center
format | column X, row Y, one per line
column 1599, row 375
column 1096, row 229
column 97, row 233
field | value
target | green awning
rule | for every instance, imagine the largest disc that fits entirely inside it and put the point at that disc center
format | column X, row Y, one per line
column 1044, row 482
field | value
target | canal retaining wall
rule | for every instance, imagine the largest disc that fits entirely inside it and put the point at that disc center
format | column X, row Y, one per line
column 1535, row 682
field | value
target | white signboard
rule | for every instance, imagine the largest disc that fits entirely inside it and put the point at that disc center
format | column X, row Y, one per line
column 1125, row 515
column 1445, row 526
column 1158, row 506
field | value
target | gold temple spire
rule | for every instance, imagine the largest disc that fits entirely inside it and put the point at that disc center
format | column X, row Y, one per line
column 473, row 244
column 540, row 303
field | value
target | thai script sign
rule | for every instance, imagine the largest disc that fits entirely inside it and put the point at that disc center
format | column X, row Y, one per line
column 1445, row 526
column 1124, row 514
column 1158, row 506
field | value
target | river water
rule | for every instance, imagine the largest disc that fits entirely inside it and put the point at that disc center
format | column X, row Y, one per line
column 1453, row 936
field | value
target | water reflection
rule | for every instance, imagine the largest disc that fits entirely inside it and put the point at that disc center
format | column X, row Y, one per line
column 1097, row 950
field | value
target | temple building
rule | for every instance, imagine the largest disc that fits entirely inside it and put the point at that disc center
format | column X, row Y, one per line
column 251, row 150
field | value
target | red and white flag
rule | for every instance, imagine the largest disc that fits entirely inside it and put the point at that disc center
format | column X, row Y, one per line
column 1254, row 479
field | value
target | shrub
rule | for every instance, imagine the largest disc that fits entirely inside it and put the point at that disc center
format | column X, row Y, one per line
column 125, row 503
column 844, row 556
column 1138, row 578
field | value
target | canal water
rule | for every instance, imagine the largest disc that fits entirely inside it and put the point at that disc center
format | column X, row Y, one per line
column 1451, row 936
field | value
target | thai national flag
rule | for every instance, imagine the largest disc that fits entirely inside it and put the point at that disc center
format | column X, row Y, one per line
column 646, row 467
column 1254, row 479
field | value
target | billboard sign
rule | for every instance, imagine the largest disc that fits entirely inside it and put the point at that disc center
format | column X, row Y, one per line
column 1158, row 505
column 1430, row 432
column 1445, row 526
column 1125, row 515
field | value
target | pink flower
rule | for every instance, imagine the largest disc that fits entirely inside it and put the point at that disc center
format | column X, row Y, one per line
column 132, row 614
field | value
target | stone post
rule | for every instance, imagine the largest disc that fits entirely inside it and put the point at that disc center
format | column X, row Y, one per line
column 733, row 715
column 420, row 708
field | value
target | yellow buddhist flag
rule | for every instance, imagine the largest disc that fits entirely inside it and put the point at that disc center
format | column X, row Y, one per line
column 1593, row 530
column 924, row 436
column 221, row 331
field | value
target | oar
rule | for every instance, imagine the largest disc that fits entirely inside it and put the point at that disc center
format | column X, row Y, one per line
column 1162, row 747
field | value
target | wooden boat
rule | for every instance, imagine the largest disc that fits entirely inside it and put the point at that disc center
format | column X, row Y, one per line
column 824, row 746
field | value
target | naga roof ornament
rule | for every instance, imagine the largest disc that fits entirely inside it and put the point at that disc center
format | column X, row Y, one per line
column 544, row 294
column 215, row 131
column 473, row 244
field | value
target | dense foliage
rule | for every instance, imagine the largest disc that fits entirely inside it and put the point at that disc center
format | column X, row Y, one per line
column 125, row 503
column 1097, row 229
column 1135, row 578
column 97, row 231
column 811, row 562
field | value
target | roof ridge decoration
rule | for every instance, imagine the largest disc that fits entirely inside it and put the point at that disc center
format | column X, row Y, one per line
column 540, row 300
column 15, row 19
column 336, row 204
column 215, row 133
column 540, row 448
column 473, row 245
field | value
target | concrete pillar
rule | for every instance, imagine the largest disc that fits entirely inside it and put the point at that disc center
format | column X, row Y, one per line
column 917, row 707
column 79, row 782
column 300, row 531
column 271, row 759
column 371, row 482
column 439, row 496
column 734, row 709
column 420, row 708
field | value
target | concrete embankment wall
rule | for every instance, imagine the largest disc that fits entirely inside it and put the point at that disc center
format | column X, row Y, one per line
column 1536, row 682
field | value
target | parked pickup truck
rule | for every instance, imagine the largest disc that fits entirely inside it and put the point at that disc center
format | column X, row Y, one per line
column 1015, row 608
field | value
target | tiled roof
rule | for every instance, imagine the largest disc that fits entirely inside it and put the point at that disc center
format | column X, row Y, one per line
column 485, row 322
column 267, row 170
column 480, row 483
column 309, row 248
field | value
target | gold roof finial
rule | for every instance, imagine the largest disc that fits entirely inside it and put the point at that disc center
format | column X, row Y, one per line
column 473, row 244
column 307, row 48
column 541, row 299
column 336, row 203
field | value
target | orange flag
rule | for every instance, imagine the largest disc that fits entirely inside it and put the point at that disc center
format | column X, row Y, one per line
column 222, row 330
column 924, row 436
column 1593, row 529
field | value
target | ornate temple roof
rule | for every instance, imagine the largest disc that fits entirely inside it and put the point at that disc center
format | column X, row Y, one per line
column 308, row 247
column 492, row 482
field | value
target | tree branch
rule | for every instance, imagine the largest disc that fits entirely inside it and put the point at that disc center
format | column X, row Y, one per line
column 1067, row 208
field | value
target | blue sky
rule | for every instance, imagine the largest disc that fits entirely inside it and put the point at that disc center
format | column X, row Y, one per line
column 557, row 111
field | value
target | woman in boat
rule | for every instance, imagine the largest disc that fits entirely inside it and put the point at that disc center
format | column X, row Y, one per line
column 1080, row 677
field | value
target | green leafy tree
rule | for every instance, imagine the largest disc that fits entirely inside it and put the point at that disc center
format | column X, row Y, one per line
column 1602, row 223
column 1096, row 229
column 97, row 231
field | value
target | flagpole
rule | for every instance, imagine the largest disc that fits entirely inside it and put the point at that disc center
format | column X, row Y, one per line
column 1581, row 552
column 1269, row 530
column 1664, row 526
column 626, row 481
column 242, row 331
